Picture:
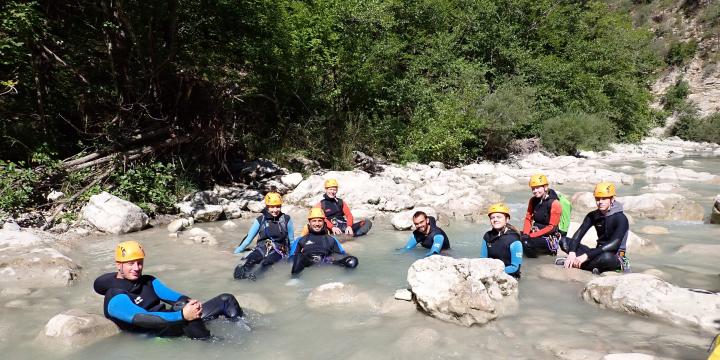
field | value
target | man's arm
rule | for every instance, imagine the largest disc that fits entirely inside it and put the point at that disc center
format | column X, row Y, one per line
column 516, row 255
column 248, row 239
column 122, row 308
column 437, row 245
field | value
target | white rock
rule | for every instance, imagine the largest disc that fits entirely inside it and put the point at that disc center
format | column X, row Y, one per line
column 256, row 206
column 398, row 203
column 178, row 225
column 234, row 209
column 403, row 294
column 654, row 230
column 634, row 242
column 715, row 212
column 480, row 169
column 403, row 219
column 691, row 163
column 200, row 236
column 338, row 294
column 662, row 206
column 673, row 173
column 109, row 213
column 11, row 226
column 292, row 180
column 230, row 225
column 75, row 328
column 559, row 273
column 208, row 213
column 36, row 267
column 700, row 249
column 55, row 195
column 647, row 295
column 504, row 180
column 463, row 291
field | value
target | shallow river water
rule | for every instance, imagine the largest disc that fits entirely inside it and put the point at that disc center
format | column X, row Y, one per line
column 552, row 315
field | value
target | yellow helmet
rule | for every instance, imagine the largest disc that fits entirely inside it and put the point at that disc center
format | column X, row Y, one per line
column 538, row 180
column 331, row 183
column 273, row 199
column 129, row 251
column 316, row 213
column 498, row 208
column 604, row 189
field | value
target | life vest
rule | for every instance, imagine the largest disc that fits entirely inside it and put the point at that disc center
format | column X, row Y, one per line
column 333, row 209
column 320, row 244
column 427, row 240
column 275, row 229
column 498, row 245
column 541, row 209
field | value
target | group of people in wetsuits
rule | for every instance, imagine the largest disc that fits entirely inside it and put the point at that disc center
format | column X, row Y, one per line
column 142, row 303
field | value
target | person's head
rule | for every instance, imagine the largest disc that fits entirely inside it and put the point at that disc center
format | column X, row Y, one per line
column 499, row 215
column 539, row 185
column 129, row 257
column 316, row 219
column 604, row 195
column 331, row 188
column 273, row 202
column 420, row 220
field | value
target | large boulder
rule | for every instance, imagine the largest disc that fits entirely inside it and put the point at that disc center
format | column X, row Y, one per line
column 403, row 219
column 75, row 328
column 200, row 236
column 715, row 214
column 655, row 206
column 208, row 213
column 649, row 296
column 114, row 215
column 338, row 294
column 463, row 291
column 667, row 172
column 37, row 266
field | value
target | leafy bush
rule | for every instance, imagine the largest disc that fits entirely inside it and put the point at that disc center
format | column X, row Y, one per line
column 575, row 130
column 676, row 95
column 690, row 126
column 154, row 186
column 17, row 184
column 679, row 52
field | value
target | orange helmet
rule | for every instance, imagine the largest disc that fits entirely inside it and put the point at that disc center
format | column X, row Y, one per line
column 129, row 251
column 604, row 189
column 498, row 208
column 538, row 180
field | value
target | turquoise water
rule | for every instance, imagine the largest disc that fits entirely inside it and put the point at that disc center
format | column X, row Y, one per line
column 551, row 315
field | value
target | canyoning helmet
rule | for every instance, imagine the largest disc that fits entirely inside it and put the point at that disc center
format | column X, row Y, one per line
column 331, row 183
column 128, row 251
column 273, row 199
column 316, row 213
column 538, row 180
column 604, row 189
column 499, row 208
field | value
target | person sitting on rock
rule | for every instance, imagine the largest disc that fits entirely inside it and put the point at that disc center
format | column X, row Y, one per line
column 274, row 231
column 137, row 302
column 612, row 228
column 427, row 234
column 502, row 242
column 541, row 235
column 337, row 213
column 318, row 246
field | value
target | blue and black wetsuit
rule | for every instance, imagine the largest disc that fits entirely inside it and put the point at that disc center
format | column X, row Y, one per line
column 318, row 247
column 274, row 237
column 612, row 230
column 504, row 245
column 140, row 306
column 435, row 240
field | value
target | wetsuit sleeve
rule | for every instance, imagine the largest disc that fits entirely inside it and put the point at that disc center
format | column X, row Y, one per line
column 337, row 248
column 294, row 246
column 620, row 228
column 250, row 235
column 555, row 214
column 165, row 293
column 121, row 307
column 483, row 249
column 528, row 218
column 437, row 245
column 516, row 256
column 348, row 214
column 577, row 237
column 411, row 243
column 291, row 231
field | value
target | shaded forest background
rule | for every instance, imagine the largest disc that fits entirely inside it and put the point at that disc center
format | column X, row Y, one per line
column 154, row 99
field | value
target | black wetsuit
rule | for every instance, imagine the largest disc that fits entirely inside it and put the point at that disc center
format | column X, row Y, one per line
column 272, row 244
column 612, row 229
column 140, row 306
column 318, row 247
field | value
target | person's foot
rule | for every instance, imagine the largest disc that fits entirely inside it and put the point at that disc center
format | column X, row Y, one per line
column 596, row 271
column 560, row 261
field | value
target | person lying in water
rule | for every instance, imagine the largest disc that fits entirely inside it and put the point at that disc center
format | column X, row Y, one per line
column 137, row 302
column 427, row 234
column 612, row 228
column 274, row 231
column 317, row 246
column 502, row 242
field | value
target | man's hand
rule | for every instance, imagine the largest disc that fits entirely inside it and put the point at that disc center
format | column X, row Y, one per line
column 192, row 310
column 580, row 260
column 570, row 260
column 349, row 231
column 336, row 230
